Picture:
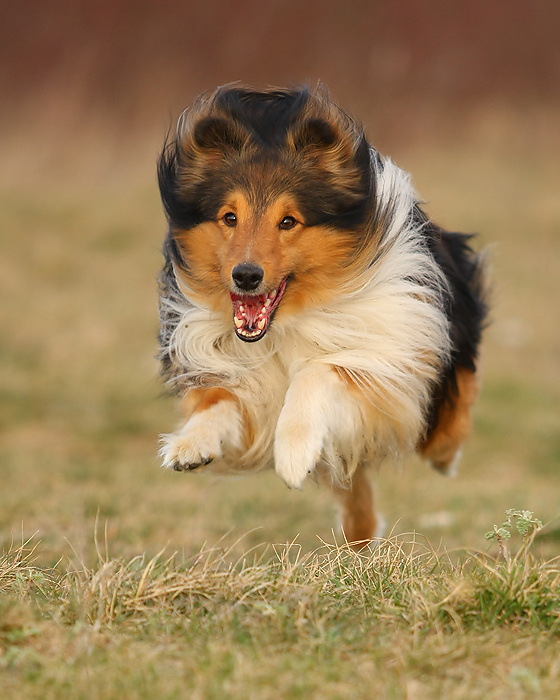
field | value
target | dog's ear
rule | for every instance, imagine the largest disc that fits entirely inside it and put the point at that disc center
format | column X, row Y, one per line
column 328, row 144
column 197, row 152
column 333, row 147
column 313, row 134
column 214, row 133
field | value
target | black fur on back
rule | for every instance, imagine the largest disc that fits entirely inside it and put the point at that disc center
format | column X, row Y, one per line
column 465, row 304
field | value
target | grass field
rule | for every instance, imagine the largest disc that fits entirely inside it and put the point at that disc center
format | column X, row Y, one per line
column 81, row 409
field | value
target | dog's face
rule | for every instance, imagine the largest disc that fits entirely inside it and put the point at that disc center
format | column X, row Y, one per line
column 265, row 221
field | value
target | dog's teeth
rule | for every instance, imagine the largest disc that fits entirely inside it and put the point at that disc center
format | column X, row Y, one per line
column 238, row 322
column 267, row 303
column 261, row 324
column 242, row 308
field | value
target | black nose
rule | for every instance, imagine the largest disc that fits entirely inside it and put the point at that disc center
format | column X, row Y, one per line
column 247, row 276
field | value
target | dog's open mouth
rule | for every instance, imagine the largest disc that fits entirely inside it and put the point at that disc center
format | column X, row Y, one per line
column 252, row 313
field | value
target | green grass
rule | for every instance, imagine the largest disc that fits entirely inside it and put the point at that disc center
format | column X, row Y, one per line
column 81, row 407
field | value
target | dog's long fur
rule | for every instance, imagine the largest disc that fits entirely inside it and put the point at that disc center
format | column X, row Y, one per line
column 312, row 317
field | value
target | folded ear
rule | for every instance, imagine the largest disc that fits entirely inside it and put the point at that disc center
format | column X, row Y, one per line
column 313, row 133
column 336, row 148
column 200, row 147
column 214, row 133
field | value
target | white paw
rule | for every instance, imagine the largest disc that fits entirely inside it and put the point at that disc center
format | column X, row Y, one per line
column 204, row 438
column 190, row 449
column 380, row 528
column 453, row 469
column 448, row 468
column 296, row 452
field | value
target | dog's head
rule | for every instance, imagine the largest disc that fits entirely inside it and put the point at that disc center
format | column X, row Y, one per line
column 269, row 200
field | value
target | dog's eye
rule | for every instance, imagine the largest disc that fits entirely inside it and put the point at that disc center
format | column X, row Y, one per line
column 229, row 219
column 288, row 222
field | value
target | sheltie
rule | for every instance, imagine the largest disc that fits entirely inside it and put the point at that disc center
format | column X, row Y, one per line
column 314, row 320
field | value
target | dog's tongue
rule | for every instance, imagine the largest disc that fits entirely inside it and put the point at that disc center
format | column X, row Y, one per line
column 253, row 309
column 251, row 313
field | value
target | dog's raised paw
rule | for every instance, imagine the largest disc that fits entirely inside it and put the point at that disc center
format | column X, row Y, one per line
column 188, row 452
column 178, row 467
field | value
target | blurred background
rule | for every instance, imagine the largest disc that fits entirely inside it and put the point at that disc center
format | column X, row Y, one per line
column 465, row 95
column 71, row 71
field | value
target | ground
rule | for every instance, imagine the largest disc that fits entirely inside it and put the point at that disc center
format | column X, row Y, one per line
column 82, row 408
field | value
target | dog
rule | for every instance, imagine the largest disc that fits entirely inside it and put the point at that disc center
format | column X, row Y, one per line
column 313, row 318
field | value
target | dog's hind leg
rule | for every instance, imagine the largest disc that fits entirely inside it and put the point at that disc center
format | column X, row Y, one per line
column 359, row 520
column 442, row 447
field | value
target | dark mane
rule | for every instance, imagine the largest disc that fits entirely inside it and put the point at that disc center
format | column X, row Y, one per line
column 275, row 141
column 266, row 113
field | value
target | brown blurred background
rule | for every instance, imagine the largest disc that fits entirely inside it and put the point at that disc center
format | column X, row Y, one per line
column 410, row 69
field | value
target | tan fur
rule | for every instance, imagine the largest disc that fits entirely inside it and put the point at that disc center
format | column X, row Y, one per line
column 453, row 424
column 315, row 256
column 200, row 399
column 377, row 405
column 359, row 522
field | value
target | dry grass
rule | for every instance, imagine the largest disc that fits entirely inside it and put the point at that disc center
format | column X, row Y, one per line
column 81, row 408
column 399, row 620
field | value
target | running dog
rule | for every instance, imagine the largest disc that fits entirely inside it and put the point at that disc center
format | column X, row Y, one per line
column 313, row 318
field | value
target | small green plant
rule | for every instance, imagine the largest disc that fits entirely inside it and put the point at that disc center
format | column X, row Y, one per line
column 518, row 588
column 525, row 523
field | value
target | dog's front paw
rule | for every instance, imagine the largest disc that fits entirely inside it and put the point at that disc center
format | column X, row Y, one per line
column 189, row 450
column 296, row 452
column 207, row 435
